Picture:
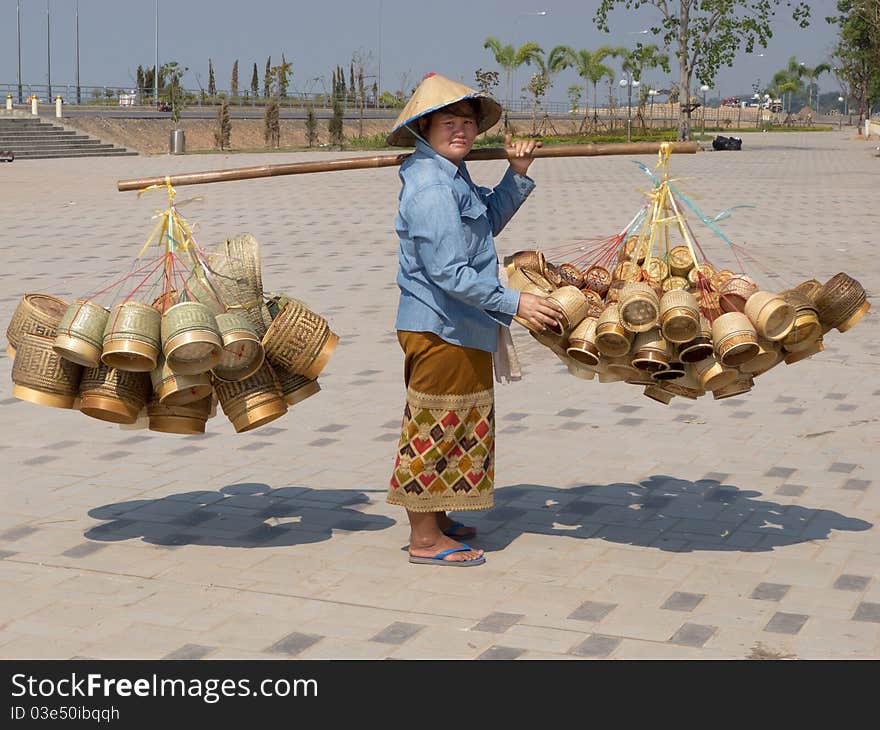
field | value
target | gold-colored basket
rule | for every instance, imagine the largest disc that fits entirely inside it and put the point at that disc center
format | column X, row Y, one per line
column 612, row 338
column 132, row 337
column 40, row 375
column 771, row 315
column 679, row 316
column 735, row 338
column 296, row 388
column 597, row 278
column 299, row 341
column 242, row 352
column 574, row 307
column 189, row 419
column 680, row 261
column 36, row 314
column 81, row 333
column 582, row 342
column 113, row 394
column 191, row 341
column 841, row 302
column 639, row 307
column 252, row 402
column 178, row 389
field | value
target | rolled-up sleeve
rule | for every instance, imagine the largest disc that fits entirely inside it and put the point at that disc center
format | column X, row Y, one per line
column 435, row 227
column 506, row 198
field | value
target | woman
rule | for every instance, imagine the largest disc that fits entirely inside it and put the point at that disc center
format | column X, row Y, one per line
column 451, row 304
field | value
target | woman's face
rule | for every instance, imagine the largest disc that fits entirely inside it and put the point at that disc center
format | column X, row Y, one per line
column 452, row 131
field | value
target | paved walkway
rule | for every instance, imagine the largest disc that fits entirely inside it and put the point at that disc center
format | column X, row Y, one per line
column 623, row 528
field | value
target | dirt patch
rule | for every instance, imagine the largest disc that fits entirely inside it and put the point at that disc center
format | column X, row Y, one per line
column 759, row 651
column 150, row 136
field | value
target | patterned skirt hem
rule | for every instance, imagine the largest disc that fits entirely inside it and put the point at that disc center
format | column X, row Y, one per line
column 441, row 504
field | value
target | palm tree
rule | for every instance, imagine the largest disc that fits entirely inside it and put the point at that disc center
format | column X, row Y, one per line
column 634, row 63
column 812, row 74
column 789, row 79
column 590, row 68
column 510, row 59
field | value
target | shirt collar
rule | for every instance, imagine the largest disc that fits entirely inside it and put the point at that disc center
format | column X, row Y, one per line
column 447, row 166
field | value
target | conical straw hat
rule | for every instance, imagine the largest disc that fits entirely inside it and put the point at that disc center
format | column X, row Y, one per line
column 434, row 93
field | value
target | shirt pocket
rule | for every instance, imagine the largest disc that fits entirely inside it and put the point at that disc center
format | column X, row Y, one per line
column 475, row 223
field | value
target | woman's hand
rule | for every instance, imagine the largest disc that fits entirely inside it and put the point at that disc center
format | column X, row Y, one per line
column 538, row 311
column 524, row 149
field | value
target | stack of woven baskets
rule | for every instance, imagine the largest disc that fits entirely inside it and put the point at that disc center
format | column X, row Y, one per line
column 165, row 364
column 678, row 328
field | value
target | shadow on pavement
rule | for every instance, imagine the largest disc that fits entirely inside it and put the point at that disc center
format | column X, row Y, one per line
column 661, row 512
column 239, row 515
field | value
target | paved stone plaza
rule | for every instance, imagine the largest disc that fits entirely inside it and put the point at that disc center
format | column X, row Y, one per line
column 623, row 528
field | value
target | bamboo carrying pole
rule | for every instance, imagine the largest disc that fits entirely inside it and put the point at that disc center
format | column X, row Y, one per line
column 360, row 163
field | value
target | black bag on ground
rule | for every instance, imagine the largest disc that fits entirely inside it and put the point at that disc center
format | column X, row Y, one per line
column 726, row 143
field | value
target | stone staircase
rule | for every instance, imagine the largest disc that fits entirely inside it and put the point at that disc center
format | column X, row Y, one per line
column 31, row 139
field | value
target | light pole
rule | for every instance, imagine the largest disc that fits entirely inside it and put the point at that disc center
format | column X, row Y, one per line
column 629, row 83
column 652, row 93
column 78, row 99
column 18, row 18
column 48, row 54
column 758, row 114
column 156, row 67
column 704, row 88
column 379, row 62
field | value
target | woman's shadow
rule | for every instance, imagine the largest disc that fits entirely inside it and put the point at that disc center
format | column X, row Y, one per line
column 661, row 512
column 239, row 515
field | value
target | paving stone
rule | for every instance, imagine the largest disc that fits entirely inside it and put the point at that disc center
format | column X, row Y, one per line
column 770, row 591
column 780, row 471
column 693, row 634
column 397, row 633
column 497, row 622
column 679, row 601
column 786, row 623
column 596, row 645
column 791, row 490
column 84, row 549
column 857, row 484
column 867, row 611
column 852, row 582
column 501, row 652
column 190, row 651
column 293, row 644
column 592, row 611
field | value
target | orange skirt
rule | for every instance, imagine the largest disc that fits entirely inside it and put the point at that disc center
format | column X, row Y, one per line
column 446, row 453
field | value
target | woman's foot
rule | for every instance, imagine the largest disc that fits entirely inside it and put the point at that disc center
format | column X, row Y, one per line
column 453, row 529
column 432, row 548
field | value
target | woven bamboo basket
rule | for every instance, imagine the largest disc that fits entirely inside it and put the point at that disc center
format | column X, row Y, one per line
column 625, row 252
column 679, row 316
column 810, row 289
column 626, row 271
column 189, row 419
column 242, row 352
column 594, row 299
column 530, row 260
column 661, row 395
column 735, row 292
column 806, row 329
column 674, row 371
column 612, row 296
column 680, row 261
column 741, row 384
column 113, row 394
column 720, row 278
column 771, row 315
column 622, row 367
column 574, row 307
column 191, row 341
column 81, row 333
column 551, row 273
column 532, row 283
column 793, row 356
column 841, row 302
column 674, row 283
column 571, row 274
column 40, row 375
column 171, row 388
column 37, row 314
column 639, row 307
column 551, row 340
column 252, row 402
column 650, row 351
column 687, row 386
column 701, row 271
column 700, row 347
column 299, row 341
column 132, row 337
column 657, row 269
column 234, row 272
column 642, row 378
column 296, row 388
column 582, row 343
column 769, row 355
column 612, row 338
column 597, row 278
column 579, row 370
column 713, row 375
column 735, row 338
column 710, row 304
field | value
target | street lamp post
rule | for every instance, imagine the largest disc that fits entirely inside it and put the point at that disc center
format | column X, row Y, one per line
column 48, row 54
column 629, row 83
column 156, row 67
column 78, row 98
column 652, row 93
column 18, row 18
column 704, row 88
column 758, row 112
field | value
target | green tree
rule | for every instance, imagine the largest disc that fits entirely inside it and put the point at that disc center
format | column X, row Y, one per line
column 486, row 80
column 311, row 126
column 704, row 34
column 224, row 126
column 590, row 67
column 140, row 80
column 233, row 84
column 335, row 123
column 510, row 59
column 857, row 54
column 267, row 78
column 272, row 124
column 255, row 82
column 212, row 86
column 173, row 72
column 812, row 74
column 538, row 86
column 281, row 76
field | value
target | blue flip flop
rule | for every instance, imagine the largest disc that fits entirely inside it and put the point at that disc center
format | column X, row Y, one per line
column 450, row 531
column 438, row 558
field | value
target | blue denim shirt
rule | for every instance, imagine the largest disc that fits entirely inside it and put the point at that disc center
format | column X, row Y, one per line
column 448, row 274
